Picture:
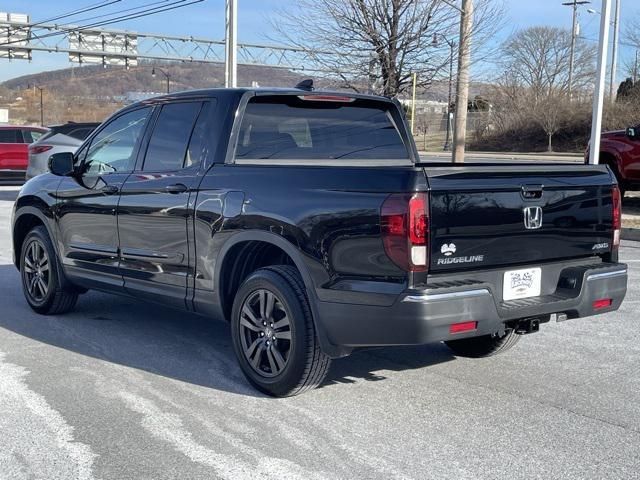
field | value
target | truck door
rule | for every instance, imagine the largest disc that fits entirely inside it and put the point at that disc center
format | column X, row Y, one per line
column 154, row 211
column 87, row 203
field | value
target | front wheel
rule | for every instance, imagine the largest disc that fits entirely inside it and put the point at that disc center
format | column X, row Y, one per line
column 274, row 337
column 485, row 345
column 41, row 281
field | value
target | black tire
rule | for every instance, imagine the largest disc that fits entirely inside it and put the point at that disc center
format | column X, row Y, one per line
column 305, row 365
column 41, row 282
column 484, row 346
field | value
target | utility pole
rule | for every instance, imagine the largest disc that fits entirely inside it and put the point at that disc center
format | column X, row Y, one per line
column 574, row 34
column 635, row 68
column 601, row 73
column 231, row 44
column 462, row 85
column 614, row 53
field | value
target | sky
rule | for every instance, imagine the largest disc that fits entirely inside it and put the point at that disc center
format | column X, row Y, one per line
column 206, row 19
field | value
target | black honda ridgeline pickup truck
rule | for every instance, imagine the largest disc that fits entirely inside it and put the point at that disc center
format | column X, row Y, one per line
column 309, row 222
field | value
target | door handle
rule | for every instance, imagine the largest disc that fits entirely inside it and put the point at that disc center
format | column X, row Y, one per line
column 109, row 189
column 176, row 188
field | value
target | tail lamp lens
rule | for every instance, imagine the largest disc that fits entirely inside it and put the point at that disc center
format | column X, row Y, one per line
column 617, row 215
column 404, row 221
column 39, row 149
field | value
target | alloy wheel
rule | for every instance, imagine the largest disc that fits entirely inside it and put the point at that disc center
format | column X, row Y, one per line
column 265, row 333
column 36, row 271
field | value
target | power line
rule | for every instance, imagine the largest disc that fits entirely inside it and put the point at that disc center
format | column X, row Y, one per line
column 86, row 19
column 144, row 13
column 88, row 8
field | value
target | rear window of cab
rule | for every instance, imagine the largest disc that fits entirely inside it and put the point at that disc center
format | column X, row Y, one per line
column 319, row 127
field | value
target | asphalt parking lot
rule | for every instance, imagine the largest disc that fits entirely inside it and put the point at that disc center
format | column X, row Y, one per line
column 125, row 390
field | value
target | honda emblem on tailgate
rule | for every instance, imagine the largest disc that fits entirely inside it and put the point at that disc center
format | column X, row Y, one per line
column 532, row 218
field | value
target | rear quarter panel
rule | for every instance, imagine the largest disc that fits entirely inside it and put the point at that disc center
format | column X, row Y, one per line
column 331, row 215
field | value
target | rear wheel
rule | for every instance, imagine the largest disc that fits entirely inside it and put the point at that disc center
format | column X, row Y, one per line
column 41, row 281
column 274, row 337
column 484, row 346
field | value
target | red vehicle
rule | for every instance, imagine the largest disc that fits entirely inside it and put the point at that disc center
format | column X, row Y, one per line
column 14, row 149
column 620, row 149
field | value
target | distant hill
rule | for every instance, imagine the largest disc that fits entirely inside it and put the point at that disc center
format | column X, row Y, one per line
column 96, row 81
column 91, row 93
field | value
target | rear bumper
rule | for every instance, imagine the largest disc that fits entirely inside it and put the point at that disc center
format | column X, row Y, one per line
column 425, row 316
column 12, row 174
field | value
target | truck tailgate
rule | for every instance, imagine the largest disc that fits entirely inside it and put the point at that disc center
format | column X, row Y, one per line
column 484, row 216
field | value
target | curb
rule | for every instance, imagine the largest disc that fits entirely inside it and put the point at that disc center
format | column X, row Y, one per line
column 631, row 234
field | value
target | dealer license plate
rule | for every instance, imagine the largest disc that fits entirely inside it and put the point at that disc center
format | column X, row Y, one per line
column 521, row 283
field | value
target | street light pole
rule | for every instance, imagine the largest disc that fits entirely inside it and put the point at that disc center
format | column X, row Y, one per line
column 452, row 46
column 447, row 145
column 462, row 85
column 41, row 103
column 598, row 98
column 231, row 44
column 413, row 102
column 166, row 75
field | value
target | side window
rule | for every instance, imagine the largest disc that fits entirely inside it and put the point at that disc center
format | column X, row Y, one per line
column 31, row 136
column 198, row 144
column 112, row 149
column 9, row 135
column 168, row 143
column 80, row 133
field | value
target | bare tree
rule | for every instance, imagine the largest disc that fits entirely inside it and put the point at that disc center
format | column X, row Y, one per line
column 550, row 113
column 632, row 31
column 631, row 67
column 377, row 44
column 537, row 58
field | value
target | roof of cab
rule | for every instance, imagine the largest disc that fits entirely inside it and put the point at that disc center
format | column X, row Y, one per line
column 216, row 92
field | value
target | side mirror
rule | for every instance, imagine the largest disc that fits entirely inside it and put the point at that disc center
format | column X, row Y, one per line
column 61, row 164
column 631, row 132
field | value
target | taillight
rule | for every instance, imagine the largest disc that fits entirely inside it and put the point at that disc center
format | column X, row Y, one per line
column 616, row 203
column 404, row 223
column 39, row 148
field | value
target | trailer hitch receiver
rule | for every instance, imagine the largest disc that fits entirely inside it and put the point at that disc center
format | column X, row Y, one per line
column 528, row 325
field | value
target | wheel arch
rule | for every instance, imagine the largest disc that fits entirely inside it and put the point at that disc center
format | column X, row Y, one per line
column 230, row 256
column 230, row 249
column 26, row 218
